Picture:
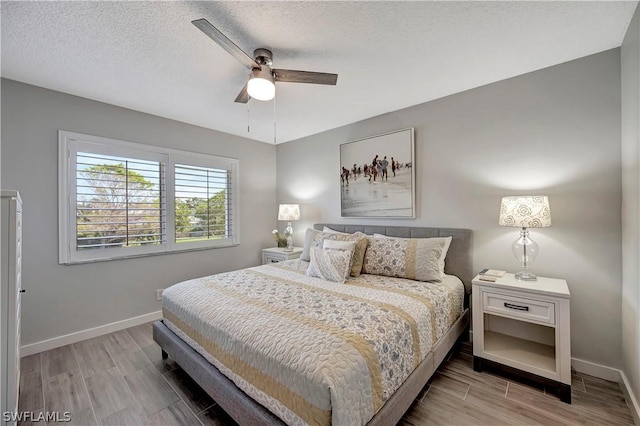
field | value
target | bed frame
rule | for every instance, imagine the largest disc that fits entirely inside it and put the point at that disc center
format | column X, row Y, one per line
column 246, row 411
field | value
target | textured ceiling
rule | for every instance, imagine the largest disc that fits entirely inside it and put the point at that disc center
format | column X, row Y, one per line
column 148, row 56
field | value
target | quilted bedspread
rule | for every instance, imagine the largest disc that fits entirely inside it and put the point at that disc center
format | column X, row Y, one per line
column 313, row 351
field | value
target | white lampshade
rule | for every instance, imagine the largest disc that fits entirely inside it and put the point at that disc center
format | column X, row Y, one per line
column 261, row 85
column 289, row 212
column 530, row 211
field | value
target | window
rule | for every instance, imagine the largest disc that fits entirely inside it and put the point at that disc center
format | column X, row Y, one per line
column 201, row 203
column 120, row 199
column 118, row 202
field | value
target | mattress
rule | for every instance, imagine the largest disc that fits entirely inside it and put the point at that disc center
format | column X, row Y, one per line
column 313, row 351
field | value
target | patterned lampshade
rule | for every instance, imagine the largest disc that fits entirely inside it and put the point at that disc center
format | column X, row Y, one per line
column 530, row 211
column 289, row 212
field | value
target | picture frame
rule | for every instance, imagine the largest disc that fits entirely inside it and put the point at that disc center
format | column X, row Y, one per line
column 386, row 190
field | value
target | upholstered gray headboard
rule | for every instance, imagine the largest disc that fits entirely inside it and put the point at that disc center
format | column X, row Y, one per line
column 458, row 261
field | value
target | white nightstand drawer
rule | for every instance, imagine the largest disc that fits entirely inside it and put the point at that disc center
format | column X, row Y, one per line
column 279, row 254
column 517, row 307
column 272, row 259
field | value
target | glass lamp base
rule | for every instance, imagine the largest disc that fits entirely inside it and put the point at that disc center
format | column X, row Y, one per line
column 526, row 276
column 288, row 232
column 526, row 251
column 289, row 241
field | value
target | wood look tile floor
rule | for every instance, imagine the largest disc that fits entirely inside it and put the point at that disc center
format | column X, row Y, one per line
column 121, row 379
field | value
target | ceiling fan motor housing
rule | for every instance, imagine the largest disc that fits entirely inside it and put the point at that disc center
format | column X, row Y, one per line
column 263, row 56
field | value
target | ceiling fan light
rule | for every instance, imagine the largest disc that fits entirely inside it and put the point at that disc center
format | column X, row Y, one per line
column 261, row 85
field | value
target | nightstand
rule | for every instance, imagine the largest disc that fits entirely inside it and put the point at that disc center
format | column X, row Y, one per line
column 522, row 328
column 277, row 254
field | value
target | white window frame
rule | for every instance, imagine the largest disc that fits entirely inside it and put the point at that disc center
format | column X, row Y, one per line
column 69, row 143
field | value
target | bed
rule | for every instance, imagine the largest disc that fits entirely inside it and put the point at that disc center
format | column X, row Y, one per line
column 314, row 351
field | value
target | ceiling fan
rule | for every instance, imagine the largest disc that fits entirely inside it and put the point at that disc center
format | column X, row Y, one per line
column 261, row 84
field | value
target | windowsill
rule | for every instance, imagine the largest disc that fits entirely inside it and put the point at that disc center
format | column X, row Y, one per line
column 136, row 256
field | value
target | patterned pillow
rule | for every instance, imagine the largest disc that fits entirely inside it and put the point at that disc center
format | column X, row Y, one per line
column 315, row 238
column 331, row 265
column 349, row 246
column 443, row 255
column 413, row 258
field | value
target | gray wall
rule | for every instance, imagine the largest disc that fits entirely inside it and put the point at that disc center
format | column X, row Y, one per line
column 630, row 61
column 65, row 299
column 554, row 132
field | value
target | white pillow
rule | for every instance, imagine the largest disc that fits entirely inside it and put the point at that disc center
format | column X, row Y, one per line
column 333, row 231
column 445, row 248
column 330, row 265
column 313, row 238
column 349, row 246
column 339, row 245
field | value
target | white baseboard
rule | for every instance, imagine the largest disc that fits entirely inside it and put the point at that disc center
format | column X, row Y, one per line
column 596, row 370
column 613, row 375
column 632, row 402
column 67, row 339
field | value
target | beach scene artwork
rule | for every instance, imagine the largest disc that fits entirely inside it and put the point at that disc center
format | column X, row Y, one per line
column 377, row 176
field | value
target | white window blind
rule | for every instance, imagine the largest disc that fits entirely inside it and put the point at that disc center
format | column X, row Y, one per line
column 202, row 203
column 119, row 202
column 120, row 199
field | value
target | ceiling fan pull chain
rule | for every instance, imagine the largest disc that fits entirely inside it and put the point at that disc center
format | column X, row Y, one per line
column 274, row 122
column 248, row 119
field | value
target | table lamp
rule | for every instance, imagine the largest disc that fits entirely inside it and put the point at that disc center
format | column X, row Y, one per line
column 530, row 211
column 289, row 212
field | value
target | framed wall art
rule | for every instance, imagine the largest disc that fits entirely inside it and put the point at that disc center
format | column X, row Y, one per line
column 377, row 176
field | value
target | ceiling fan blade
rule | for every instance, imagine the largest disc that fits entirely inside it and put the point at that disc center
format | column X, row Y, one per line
column 224, row 42
column 243, row 97
column 292, row 76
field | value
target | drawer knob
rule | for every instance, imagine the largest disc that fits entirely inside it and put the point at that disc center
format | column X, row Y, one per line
column 516, row 307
